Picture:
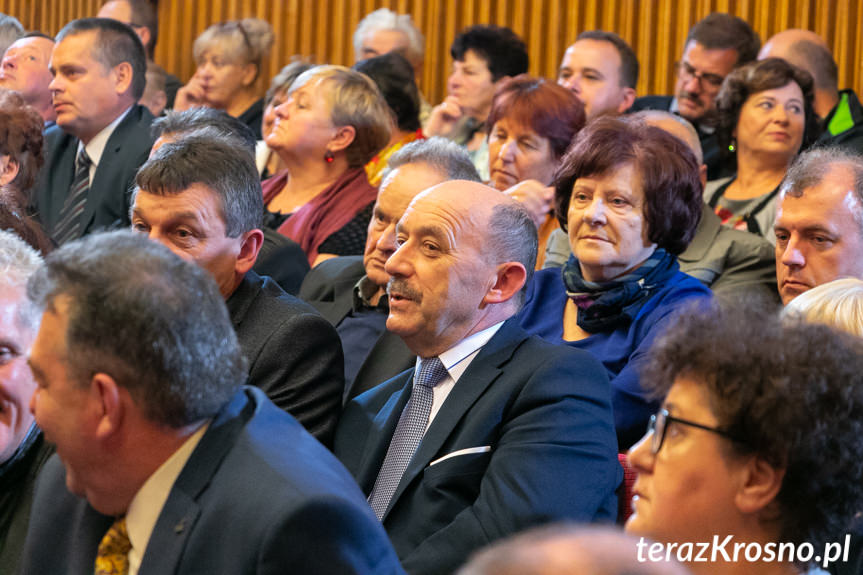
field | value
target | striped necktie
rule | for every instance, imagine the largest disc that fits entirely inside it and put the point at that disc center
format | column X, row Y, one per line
column 409, row 432
column 112, row 558
column 69, row 226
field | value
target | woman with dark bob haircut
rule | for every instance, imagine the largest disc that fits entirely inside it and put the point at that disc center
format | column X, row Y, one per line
column 531, row 124
column 629, row 197
column 759, row 438
column 765, row 119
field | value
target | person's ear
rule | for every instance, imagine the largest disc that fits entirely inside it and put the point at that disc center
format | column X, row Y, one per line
column 343, row 138
column 760, row 482
column 249, row 249
column 250, row 74
column 122, row 77
column 509, row 280
column 627, row 101
column 8, row 170
column 144, row 34
column 109, row 404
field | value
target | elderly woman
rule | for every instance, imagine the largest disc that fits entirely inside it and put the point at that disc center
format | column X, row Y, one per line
column 629, row 197
column 531, row 124
column 758, row 438
column 765, row 119
column 229, row 56
column 267, row 161
column 482, row 57
column 334, row 121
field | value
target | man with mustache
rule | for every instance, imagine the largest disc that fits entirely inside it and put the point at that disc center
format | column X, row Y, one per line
column 350, row 291
column 714, row 47
column 494, row 430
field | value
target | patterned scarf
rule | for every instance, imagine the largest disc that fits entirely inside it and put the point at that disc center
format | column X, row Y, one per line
column 609, row 305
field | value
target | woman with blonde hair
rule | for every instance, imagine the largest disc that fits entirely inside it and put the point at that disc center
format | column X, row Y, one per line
column 838, row 303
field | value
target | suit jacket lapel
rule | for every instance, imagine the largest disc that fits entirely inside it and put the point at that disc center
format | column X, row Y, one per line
column 483, row 370
column 336, row 310
column 388, row 357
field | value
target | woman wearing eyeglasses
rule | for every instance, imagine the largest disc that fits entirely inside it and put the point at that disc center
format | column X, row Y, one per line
column 765, row 119
column 229, row 58
column 759, row 438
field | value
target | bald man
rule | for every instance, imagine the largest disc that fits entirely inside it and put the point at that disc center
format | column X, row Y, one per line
column 494, row 430
column 840, row 110
column 25, row 69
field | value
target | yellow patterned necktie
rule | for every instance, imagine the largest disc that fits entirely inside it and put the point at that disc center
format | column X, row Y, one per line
column 113, row 555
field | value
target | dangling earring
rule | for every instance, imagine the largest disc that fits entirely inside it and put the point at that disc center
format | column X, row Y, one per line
column 329, row 157
column 732, row 147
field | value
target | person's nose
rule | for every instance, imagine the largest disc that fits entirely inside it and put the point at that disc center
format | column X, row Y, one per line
column 792, row 254
column 594, row 213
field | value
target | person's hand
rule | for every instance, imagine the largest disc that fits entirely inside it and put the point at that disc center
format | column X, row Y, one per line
column 191, row 95
column 536, row 198
column 443, row 118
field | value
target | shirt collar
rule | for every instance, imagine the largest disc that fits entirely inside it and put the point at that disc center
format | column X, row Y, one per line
column 702, row 129
column 364, row 290
column 96, row 146
column 454, row 358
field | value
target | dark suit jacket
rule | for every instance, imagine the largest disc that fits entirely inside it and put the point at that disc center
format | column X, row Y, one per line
column 545, row 412
column 259, row 495
column 294, row 355
column 111, row 187
column 330, row 289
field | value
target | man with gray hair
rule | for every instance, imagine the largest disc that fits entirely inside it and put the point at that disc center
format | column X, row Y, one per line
column 22, row 449
column 819, row 221
column 165, row 462
column 201, row 197
column 350, row 291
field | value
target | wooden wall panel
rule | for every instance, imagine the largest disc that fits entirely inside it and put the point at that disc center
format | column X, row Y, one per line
column 322, row 29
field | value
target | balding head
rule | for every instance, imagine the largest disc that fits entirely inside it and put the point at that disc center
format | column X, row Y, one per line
column 678, row 127
column 465, row 252
column 779, row 44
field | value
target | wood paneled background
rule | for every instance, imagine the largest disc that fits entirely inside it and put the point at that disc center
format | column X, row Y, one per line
column 322, row 29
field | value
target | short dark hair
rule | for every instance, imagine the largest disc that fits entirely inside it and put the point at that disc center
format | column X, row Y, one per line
column 155, row 323
column 512, row 237
column 721, row 31
column 115, row 43
column 179, row 123
column 21, row 139
column 550, row 110
column 666, row 167
column 441, row 154
column 394, row 77
column 793, row 395
column 628, row 59
column 211, row 161
column 755, row 77
column 37, row 34
column 503, row 51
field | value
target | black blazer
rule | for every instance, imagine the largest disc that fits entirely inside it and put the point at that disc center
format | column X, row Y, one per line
column 108, row 200
column 329, row 287
column 536, row 419
column 294, row 355
column 258, row 496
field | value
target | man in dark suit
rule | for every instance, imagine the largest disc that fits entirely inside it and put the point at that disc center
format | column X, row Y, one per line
column 101, row 136
column 167, row 464
column 495, row 430
column 715, row 46
column 350, row 291
column 200, row 195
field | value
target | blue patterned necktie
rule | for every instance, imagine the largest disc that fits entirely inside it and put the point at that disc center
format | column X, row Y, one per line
column 409, row 432
column 69, row 226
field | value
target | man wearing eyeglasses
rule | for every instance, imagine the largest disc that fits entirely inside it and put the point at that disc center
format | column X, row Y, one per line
column 714, row 47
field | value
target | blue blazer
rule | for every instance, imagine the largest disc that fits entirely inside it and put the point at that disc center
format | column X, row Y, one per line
column 259, row 495
column 542, row 411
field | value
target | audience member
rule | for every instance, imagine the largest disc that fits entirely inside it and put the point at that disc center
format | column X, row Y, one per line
column 141, row 16
column 714, row 47
column 155, row 98
column 334, row 122
column 564, row 549
column 229, row 56
column 531, row 124
column 819, row 221
column 101, row 136
column 629, row 197
column 269, row 163
column 202, row 199
column 167, row 464
column 765, row 119
column 839, row 111
column 482, row 57
column 25, row 69
column 838, row 303
column 495, row 431
column 10, row 31
column 384, row 31
column 602, row 71
column 758, row 440
column 350, row 291
column 394, row 77
column 22, row 449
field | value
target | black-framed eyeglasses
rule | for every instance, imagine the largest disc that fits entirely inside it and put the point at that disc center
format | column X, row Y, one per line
column 659, row 424
column 687, row 72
